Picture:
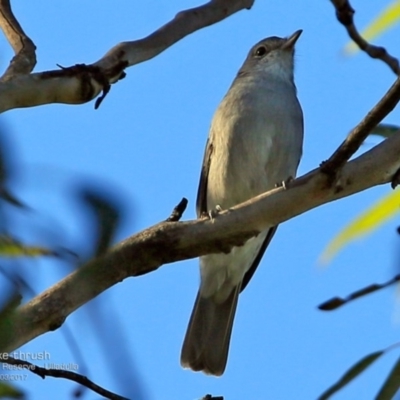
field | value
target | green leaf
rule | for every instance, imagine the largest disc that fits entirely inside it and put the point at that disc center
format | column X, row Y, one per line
column 352, row 373
column 369, row 220
column 391, row 385
column 8, row 391
column 9, row 247
column 386, row 19
column 6, row 313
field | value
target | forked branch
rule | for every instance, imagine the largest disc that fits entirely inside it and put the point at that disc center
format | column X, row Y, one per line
column 25, row 57
column 82, row 83
column 344, row 14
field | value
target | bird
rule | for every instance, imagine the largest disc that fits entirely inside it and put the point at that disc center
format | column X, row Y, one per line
column 255, row 141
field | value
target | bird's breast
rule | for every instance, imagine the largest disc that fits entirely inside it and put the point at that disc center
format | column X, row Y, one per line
column 257, row 137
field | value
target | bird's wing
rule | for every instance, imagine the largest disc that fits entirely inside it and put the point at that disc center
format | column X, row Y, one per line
column 201, row 207
column 250, row 272
column 201, row 202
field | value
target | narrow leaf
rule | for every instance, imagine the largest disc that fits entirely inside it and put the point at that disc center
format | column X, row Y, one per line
column 368, row 221
column 107, row 217
column 337, row 302
column 352, row 373
column 385, row 20
column 10, row 247
column 8, row 391
column 6, row 312
column 391, row 385
column 7, row 196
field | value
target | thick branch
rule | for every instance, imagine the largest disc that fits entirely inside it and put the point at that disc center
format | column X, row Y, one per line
column 74, row 85
column 344, row 14
column 25, row 57
column 168, row 242
column 80, row 85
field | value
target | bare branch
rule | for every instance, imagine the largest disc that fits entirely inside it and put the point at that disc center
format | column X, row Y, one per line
column 61, row 373
column 74, row 85
column 344, row 14
column 169, row 242
column 80, row 84
column 25, row 57
column 184, row 23
column 352, row 143
column 357, row 136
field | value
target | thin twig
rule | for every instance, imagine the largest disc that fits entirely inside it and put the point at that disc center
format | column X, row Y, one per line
column 336, row 302
column 25, row 57
column 344, row 14
column 61, row 373
column 357, row 136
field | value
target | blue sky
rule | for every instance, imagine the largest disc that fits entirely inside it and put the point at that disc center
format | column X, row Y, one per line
column 144, row 146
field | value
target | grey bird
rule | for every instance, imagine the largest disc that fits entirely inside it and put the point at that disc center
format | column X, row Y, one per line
column 255, row 142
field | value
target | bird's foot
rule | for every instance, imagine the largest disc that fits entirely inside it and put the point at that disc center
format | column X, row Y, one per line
column 213, row 213
column 284, row 183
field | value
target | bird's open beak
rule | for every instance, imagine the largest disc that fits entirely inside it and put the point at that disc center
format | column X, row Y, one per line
column 291, row 40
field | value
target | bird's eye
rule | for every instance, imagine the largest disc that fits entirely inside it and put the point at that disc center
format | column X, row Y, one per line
column 260, row 51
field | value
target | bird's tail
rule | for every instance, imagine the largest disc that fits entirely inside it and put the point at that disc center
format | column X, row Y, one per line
column 206, row 343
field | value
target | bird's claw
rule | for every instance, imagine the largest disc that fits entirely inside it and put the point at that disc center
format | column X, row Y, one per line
column 213, row 213
column 284, row 183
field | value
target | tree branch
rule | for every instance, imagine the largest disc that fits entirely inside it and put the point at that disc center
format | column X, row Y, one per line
column 344, row 14
column 169, row 242
column 357, row 136
column 184, row 23
column 61, row 373
column 25, row 57
column 80, row 84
